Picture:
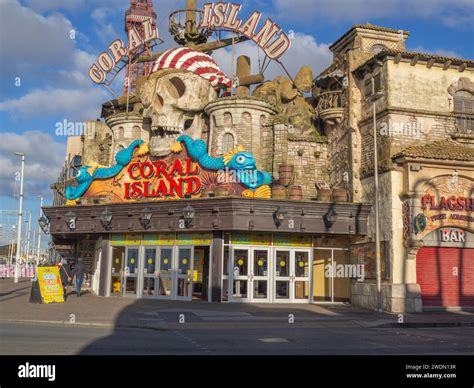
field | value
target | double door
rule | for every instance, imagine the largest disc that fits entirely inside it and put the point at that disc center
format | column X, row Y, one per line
column 269, row 275
column 158, row 272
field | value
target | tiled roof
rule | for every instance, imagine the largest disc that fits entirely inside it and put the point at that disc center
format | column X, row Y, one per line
column 367, row 26
column 412, row 54
column 440, row 150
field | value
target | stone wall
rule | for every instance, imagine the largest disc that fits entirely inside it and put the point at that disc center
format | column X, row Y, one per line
column 126, row 127
column 246, row 120
column 97, row 143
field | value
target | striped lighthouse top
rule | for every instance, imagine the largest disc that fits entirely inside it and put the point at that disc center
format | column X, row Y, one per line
column 194, row 61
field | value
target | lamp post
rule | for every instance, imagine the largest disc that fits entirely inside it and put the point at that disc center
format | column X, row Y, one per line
column 378, row 267
column 20, row 210
column 28, row 238
column 38, row 248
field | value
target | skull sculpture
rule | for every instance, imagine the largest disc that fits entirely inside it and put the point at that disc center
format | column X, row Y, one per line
column 175, row 102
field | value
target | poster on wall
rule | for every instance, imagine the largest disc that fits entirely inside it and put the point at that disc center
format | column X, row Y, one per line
column 50, row 285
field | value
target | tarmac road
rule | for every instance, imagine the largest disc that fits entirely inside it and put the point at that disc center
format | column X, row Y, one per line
column 45, row 339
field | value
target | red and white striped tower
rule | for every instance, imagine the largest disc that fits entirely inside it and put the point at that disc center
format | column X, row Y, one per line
column 139, row 11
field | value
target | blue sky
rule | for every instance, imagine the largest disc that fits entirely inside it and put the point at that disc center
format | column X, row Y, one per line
column 36, row 46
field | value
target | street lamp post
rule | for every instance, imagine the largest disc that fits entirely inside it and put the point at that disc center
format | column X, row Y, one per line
column 38, row 249
column 20, row 210
column 378, row 267
column 28, row 238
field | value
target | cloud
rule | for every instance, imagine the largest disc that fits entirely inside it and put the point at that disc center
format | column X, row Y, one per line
column 364, row 10
column 55, row 5
column 304, row 50
column 70, row 104
column 54, row 75
column 32, row 41
column 43, row 161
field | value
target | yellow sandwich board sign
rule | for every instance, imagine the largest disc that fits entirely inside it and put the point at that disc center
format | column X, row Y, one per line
column 50, row 285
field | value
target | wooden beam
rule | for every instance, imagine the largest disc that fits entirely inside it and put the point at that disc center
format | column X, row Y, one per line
column 462, row 67
column 414, row 60
column 397, row 58
column 430, row 63
column 446, row 65
column 203, row 47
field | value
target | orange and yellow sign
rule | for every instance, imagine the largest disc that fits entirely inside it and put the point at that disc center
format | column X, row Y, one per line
column 50, row 285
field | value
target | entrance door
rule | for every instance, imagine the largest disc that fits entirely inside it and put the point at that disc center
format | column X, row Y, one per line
column 149, row 273
column 282, row 271
column 165, row 273
column 292, row 275
column 301, row 278
column 240, row 274
column 260, row 264
column 118, row 258
column 184, row 273
column 130, row 271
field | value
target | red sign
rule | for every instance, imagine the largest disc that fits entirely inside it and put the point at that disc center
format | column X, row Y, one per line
column 176, row 179
column 447, row 203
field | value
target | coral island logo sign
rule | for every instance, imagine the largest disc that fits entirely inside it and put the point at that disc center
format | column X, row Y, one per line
column 188, row 172
column 106, row 61
column 168, row 185
column 224, row 16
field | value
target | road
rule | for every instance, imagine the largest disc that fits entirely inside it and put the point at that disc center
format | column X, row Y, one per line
column 45, row 339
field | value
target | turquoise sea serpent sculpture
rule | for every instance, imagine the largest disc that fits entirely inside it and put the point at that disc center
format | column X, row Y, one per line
column 238, row 160
column 84, row 179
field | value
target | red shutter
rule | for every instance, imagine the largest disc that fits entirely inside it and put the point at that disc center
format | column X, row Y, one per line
column 435, row 271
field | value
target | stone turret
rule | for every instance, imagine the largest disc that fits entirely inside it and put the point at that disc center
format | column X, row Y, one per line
column 241, row 120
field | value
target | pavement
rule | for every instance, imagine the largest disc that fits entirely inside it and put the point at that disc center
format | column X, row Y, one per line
column 116, row 312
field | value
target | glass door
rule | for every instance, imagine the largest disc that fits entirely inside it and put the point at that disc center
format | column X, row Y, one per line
column 301, row 275
column 291, row 276
column 184, row 273
column 149, row 273
column 260, row 275
column 130, row 272
column 240, row 274
column 283, row 279
column 118, row 258
column 165, row 273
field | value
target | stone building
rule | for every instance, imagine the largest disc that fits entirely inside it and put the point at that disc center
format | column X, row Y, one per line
column 423, row 105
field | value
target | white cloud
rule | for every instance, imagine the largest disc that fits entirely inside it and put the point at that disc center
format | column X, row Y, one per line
column 304, row 50
column 32, row 41
column 55, row 5
column 363, row 10
column 43, row 161
column 69, row 104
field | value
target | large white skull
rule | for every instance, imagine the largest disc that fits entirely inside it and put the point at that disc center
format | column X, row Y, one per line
column 175, row 103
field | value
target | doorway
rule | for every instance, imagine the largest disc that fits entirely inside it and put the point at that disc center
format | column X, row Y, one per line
column 201, row 273
column 260, row 274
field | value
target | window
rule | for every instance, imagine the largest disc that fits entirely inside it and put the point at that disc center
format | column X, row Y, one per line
column 464, row 111
column 228, row 142
column 373, row 85
column 376, row 48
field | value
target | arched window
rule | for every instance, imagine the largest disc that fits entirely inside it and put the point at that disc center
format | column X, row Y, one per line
column 136, row 132
column 376, row 48
column 228, row 142
column 464, row 111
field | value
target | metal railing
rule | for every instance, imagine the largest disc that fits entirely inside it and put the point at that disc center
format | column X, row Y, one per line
column 330, row 100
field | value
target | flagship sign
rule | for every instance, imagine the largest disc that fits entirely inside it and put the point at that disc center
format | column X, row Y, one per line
column 224, row 16
column 106, row 61
column 160, row 179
